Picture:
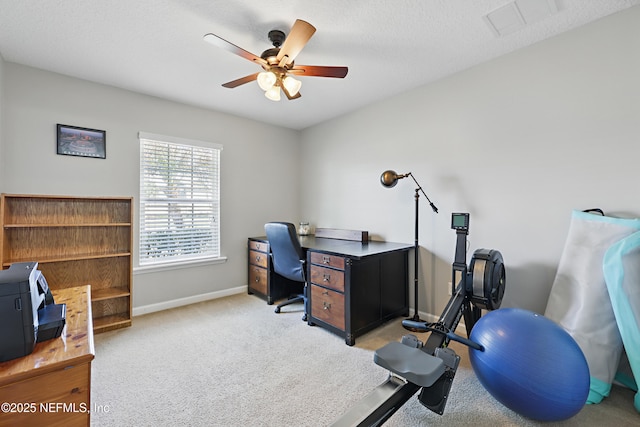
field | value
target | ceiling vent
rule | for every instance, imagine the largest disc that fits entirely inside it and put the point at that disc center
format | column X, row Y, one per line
column 515, row 15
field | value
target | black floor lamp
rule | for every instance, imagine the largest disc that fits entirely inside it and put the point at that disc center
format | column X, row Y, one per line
column 389, row 179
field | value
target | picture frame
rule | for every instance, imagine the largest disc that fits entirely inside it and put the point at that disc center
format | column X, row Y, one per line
column 81, row 142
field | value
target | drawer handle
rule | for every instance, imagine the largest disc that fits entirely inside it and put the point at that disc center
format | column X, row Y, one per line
column 258, row 258
column 326, row 306
column 326, row 278
column 257, row 279
column 326, row 259
column 325, row 292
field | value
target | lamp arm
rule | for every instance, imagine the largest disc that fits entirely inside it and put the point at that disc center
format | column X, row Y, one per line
column 425, row 195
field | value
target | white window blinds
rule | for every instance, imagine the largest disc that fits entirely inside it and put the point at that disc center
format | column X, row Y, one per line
column 179, row 199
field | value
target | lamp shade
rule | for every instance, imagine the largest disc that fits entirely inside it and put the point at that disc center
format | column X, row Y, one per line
column 273, row 93
column 389, row 178
column 266, row 80
column 292, row 85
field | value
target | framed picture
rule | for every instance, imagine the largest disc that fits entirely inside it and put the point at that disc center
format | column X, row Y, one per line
column 83, row 142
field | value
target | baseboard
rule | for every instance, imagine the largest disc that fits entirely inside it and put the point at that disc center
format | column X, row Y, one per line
column 166, row 305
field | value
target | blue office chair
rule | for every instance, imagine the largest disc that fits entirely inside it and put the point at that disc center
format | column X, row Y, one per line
column 288, row 259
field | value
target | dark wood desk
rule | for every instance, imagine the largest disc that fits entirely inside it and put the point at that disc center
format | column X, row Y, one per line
column 353, row 286
column 52, row 385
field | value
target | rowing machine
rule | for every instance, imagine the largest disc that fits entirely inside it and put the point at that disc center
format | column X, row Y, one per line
column 432, row 365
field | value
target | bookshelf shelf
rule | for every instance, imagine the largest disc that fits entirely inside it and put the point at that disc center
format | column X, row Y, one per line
column 76, row 241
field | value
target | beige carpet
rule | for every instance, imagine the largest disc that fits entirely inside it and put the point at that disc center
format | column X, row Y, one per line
column 234, row 362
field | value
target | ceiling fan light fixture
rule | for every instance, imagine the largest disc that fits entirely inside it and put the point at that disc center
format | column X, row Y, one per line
column 266, row 80
column 292, row 85
column 278, row 62
column 273, row 93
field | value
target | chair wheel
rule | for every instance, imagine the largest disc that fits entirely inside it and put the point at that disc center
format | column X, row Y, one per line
column 277, row 310
column 304, row 317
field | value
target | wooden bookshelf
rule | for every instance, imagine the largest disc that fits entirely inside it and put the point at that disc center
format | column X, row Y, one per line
column 76, row 241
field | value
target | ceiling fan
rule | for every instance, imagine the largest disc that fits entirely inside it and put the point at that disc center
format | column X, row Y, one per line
column 278, row 62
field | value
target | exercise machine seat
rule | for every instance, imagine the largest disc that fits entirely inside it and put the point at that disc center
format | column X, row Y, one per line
column 410, row 363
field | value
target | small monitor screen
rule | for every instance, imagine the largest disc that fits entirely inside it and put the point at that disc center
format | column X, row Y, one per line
column 460, row 221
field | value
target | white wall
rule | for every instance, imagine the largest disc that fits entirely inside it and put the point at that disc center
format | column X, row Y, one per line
column 518, row 142
column 35, row 100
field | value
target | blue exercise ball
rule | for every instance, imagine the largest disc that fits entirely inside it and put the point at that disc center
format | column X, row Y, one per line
column 530, row 364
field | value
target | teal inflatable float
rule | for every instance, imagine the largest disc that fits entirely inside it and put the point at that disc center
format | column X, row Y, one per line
column 595, row 297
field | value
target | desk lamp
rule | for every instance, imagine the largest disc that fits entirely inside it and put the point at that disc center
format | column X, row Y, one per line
column 389, row 179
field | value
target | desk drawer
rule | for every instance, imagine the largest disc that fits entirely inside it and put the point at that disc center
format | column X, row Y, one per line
column 258, row 246
column 258, row 279
column 327, row 260
column 258, row 258
column 328, row 306
column 328, row 277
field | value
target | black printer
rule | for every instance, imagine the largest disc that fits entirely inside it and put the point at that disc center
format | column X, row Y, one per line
column 28, row 313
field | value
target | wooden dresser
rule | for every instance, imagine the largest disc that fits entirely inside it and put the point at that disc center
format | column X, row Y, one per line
column 52, row 385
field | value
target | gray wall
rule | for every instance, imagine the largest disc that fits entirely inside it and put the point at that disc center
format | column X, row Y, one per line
column 518, row 142
column 35, row 100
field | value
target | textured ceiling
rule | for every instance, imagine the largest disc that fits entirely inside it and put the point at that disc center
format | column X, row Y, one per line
column 155, row 47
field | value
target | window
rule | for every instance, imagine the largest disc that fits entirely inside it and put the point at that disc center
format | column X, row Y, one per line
column 179, row 200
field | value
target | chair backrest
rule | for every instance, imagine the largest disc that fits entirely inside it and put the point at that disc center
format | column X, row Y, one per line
column 288, row 256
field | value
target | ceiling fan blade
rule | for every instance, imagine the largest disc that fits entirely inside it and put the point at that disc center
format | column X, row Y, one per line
column 224, row 44
column 288, row 95
column 298, row 37
column 241, row 81
column 319, row 71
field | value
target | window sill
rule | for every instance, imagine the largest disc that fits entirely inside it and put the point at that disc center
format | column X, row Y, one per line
column 177, row 265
